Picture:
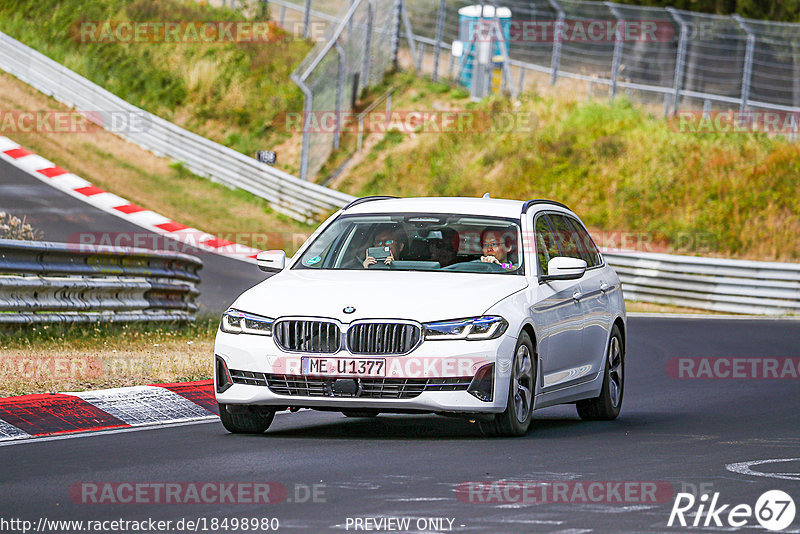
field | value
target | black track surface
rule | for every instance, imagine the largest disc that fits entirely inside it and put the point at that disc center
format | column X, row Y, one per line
column 681, row 432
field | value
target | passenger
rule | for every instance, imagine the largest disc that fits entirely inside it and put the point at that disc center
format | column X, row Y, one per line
column 388, row 236
column 443, row 244
column 496, row 244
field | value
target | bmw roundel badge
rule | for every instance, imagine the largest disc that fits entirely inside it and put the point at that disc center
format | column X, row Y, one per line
column 349, row 309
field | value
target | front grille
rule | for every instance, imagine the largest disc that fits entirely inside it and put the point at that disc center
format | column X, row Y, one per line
column 382, row 338
column 372, row 388
column 299, row 335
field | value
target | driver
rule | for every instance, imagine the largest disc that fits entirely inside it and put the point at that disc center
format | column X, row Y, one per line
column 388, row 236
column 496, row 244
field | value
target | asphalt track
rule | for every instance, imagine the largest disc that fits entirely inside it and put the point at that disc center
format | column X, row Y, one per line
column 61, row 216
column 675, row 431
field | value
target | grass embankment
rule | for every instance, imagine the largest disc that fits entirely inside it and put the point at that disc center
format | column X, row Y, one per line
column 619, row 167
column 227, row 91
column 52, row 358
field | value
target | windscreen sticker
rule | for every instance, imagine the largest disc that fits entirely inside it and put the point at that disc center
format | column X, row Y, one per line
column 314, row 260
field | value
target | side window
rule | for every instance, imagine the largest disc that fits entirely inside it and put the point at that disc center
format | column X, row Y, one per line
column 567, row 237
column 590, row 252
column 546, row 245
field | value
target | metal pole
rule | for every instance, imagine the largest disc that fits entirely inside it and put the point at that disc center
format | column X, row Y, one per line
column 409, row 32
column 339, row 90
column 615, row 62
column 504, row 49
column 680, row 59
column 283, row 16
column 307, row 19
column 420, row 56
column 368, row 49
column 521, row 81
column 556, row 58
column 396, row 36
column 438, row 46
column 747, row 71
column 307, row 102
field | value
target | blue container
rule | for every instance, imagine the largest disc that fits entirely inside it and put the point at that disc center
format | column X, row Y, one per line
column 475, row 23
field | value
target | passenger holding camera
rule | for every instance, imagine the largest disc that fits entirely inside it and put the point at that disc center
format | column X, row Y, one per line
column 391, row 238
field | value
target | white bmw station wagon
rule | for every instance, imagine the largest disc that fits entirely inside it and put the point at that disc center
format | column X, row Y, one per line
column 479, row 307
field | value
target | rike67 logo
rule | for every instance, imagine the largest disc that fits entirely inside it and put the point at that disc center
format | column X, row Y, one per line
column 774, row 510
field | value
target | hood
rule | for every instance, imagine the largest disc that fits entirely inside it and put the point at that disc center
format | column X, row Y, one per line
column 418, row 296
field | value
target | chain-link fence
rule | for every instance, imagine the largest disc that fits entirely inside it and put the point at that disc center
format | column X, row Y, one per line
column 355, row 54
column 682, row 59
column 675, row 55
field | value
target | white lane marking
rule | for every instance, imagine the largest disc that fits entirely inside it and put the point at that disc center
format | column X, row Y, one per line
column 92, row 433
column 9, row 431
column 744, row 468
column 139, row 405
column 712, row 316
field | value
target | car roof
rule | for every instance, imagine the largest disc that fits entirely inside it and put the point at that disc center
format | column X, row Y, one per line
column 495, row 207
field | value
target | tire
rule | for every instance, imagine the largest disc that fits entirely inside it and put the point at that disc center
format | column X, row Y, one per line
column 516, row 419
column 360, row 413
column 607, row 406
column 251, row 420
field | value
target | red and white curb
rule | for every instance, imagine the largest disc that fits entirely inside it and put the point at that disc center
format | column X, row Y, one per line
column 29, row 416
column 53, row 175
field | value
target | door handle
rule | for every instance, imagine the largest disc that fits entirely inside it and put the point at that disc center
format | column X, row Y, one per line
column 577, row 295
column 604, row 287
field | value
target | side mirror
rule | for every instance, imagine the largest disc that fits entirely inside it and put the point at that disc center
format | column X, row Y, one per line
column 271, row 261
column 563, row 268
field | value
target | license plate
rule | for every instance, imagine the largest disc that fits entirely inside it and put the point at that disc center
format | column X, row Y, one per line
column 343, row 366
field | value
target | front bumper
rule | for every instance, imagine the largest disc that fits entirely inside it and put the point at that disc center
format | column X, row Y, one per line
column 430, row 360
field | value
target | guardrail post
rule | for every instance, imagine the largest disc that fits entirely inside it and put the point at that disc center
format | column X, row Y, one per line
column 680, row 59
column 616, row 60
column 747, row 70
column 556, row 58
column 368, row 48
column 283, row 16
column 438, row 46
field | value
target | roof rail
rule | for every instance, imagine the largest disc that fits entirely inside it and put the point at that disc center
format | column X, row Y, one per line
column 530, row 203
column 361, row 200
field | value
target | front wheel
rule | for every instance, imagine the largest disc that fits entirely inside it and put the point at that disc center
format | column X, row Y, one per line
column 607, row 406
column 245, row 419
column 516, row 419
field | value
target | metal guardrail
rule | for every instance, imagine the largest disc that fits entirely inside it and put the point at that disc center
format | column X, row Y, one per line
column 44, row 282
column 735, row 286
column 285, row 193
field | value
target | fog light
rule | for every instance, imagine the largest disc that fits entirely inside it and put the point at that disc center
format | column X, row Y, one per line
column 223, row 376
column 482, row 386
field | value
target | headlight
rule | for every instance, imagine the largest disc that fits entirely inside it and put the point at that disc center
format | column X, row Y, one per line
column 486, row 327
column 239, row 322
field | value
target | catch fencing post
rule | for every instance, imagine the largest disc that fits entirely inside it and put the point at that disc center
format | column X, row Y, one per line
column 438, row 46
column 409, row 33
column 339, row 90
column 396, row 35
column 307, row 19
column 615, row 62
column 521, row 81
column 308, row 98
column 556, row 58
column 283, row 16
column 368, row 51
column 747, row 70
column 680, row 59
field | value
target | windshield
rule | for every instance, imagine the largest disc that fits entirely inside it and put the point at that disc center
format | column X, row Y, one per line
column 417, row 242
